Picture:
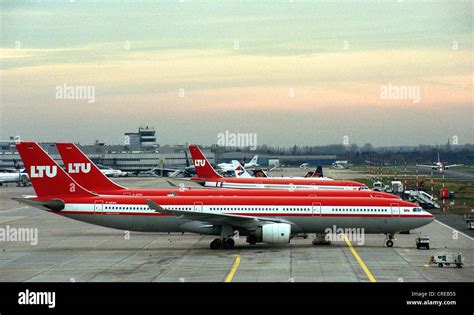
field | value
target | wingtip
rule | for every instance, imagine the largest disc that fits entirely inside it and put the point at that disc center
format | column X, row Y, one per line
column 153, row 205
column 171, row 183
column 150, row 202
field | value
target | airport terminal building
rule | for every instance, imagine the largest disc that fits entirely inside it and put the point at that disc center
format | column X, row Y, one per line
column 117, row 157
column 139, row 153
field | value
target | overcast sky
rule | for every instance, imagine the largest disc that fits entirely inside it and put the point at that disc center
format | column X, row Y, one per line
column 293, row 72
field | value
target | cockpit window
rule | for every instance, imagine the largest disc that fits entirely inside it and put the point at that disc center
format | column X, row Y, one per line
column 417, row 209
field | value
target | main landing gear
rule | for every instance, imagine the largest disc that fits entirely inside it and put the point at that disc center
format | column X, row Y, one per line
column 389, row 241
column 252, row 239
column 226, row 243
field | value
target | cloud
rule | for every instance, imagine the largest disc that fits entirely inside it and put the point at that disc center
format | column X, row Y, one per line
column 139, row 56
column 134, row 72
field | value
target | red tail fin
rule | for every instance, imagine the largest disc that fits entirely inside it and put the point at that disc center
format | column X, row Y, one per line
column 47, row 177
column 83, row 170
column 202, row 165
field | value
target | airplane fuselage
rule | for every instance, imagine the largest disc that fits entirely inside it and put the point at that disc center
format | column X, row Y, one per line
column 245, row 192
column 280, row 183
column 306, row 215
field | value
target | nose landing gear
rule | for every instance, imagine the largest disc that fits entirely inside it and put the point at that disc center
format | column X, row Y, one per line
column 389, row 241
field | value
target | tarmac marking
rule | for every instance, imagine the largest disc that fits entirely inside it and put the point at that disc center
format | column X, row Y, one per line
column 13, row 210
column 449, row 227
column 10, row 219
column 231, row 274
column 359, row 260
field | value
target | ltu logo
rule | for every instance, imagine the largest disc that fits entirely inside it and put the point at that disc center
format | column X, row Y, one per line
column 41, row 171
column 199, row 162
column 76, row 168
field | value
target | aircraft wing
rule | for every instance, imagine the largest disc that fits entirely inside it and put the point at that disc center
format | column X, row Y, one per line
column 216, row 218
column 429, row 166
column 452, row 165
column 165, row 169
column 173, row 184
column 273, row 168
column 156, row 171
column 179, row 179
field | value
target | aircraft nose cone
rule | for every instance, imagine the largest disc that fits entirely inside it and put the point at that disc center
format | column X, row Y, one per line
column 428, row 219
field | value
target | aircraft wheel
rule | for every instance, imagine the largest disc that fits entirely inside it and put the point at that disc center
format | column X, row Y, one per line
column 252, row 239
column 229, row 243
column 440, row 265
column 216, row 244
column 389, row 243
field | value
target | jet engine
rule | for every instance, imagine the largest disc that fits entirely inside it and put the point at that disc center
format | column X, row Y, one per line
column 274, row 233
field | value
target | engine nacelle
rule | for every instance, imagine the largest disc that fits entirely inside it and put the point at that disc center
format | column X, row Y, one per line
column 274, row 233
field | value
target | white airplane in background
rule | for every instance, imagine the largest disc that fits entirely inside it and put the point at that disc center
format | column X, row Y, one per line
column 304, row 165
column 440, row 165
column 111, row 172
column 340, row 164
column 229, row 166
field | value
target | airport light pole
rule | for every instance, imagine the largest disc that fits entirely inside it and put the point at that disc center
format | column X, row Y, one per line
column 405, row 176
column 432, row 184
column 417, row 179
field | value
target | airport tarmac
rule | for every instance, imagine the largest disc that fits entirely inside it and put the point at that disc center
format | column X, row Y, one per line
column 68, row 250
column 457, row 173
column 340, row 174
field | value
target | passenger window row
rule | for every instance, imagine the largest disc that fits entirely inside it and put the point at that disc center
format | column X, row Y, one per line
column 358, row 210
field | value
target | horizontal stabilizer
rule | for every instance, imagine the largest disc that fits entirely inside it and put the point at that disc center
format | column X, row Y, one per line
column 52, row 204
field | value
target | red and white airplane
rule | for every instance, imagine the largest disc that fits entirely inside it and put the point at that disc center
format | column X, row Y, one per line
column 89, row 176
column 208, row 177
column 262, row 219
